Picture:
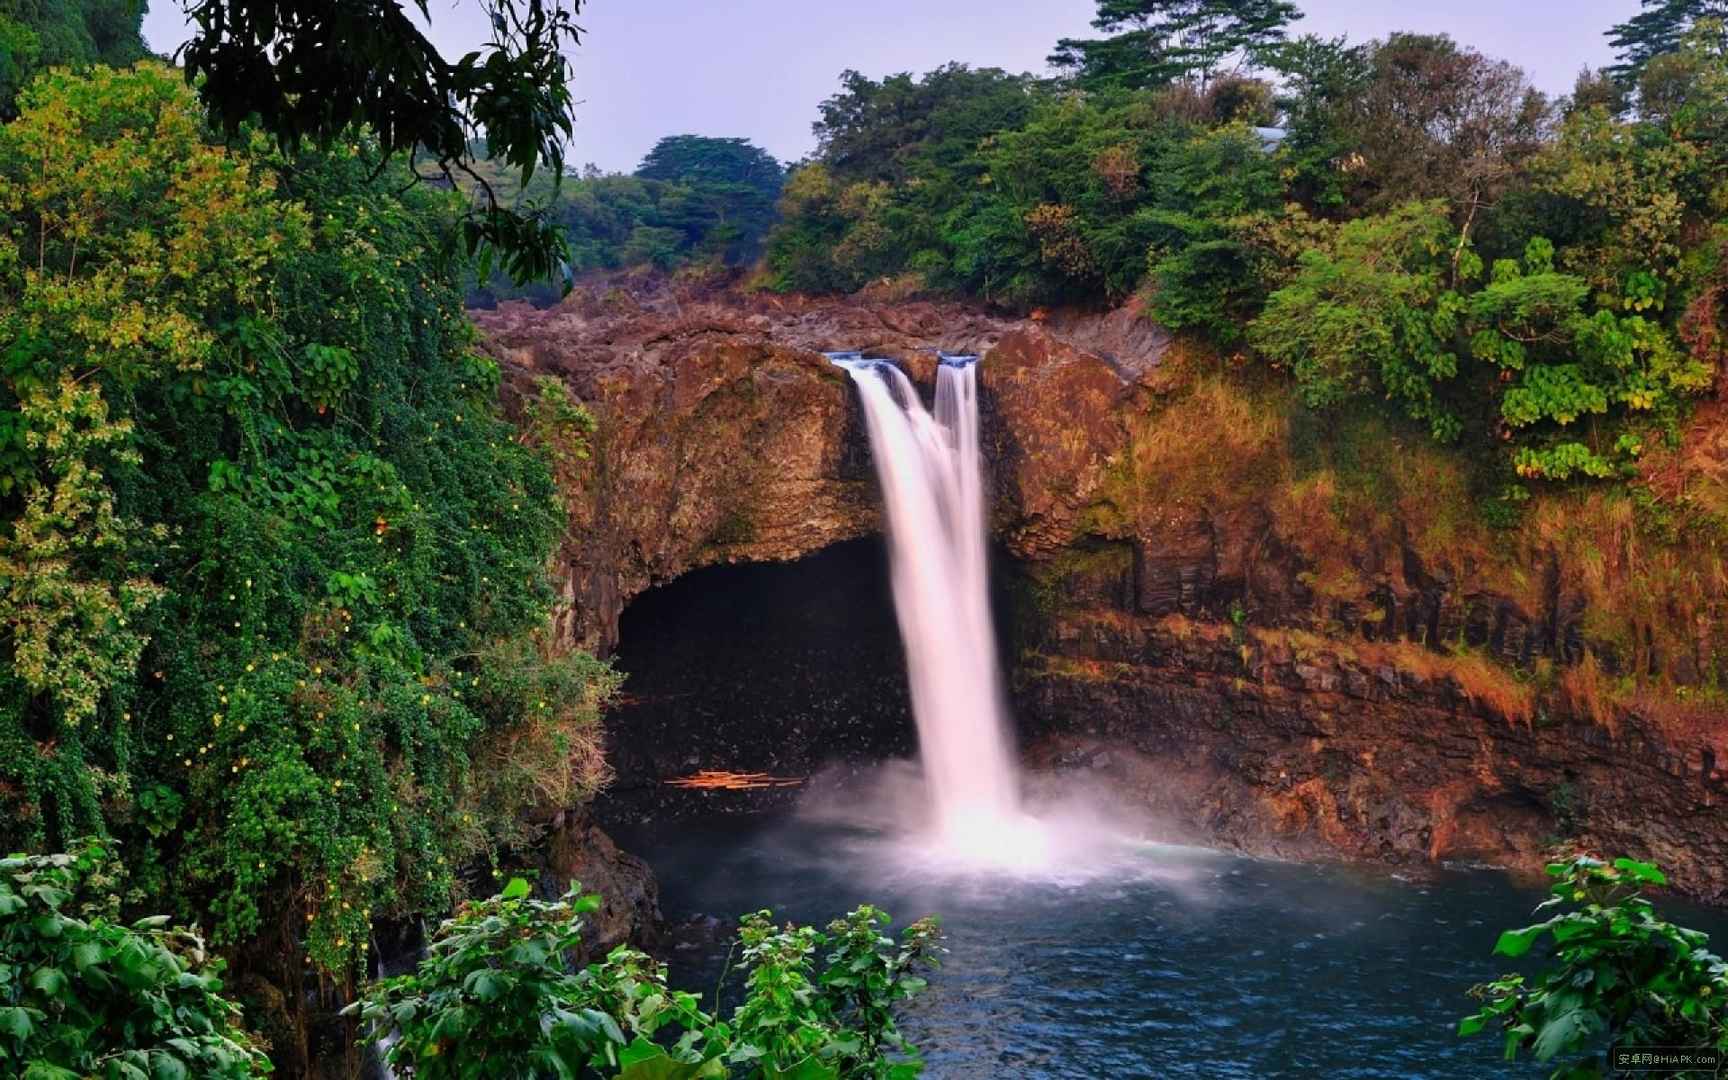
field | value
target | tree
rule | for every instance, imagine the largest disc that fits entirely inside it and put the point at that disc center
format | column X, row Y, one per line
column 1437, row 120
column 1661, row 28
column 37, row 34
column 1157, row 42
column 874, row 130
column 724, row 200
column 316, row 71
column 1321, row 78
column 700, row 161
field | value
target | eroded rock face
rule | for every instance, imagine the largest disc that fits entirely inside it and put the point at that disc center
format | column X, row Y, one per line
column 1312, row 725
column 578, row 850
column 1305, row 750
column 726, row 436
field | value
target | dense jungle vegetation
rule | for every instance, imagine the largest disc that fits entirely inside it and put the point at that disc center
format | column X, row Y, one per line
column 274, row 589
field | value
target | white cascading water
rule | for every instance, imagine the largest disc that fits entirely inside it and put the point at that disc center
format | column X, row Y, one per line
column 930, row 471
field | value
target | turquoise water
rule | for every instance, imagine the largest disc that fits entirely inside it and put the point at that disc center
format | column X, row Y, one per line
column 1150, row 961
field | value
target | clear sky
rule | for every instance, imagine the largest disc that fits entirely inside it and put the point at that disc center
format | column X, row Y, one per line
column 758, row 68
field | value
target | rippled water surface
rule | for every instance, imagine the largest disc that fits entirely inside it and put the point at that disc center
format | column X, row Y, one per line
column 1149, row 961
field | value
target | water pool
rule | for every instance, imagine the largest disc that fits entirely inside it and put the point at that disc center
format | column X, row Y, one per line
column 1152, row 961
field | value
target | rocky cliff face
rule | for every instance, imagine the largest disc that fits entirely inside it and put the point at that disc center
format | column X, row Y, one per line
column 1289, row 639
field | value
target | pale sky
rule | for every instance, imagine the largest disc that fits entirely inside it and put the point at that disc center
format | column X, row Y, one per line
column 758, row 68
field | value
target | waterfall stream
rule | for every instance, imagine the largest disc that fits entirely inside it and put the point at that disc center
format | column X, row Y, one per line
column 930, row 471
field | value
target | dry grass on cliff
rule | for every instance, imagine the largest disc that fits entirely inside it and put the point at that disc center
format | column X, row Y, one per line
column 1479, row 679
column 1362, row 493
column 1215, row 440
column 1483, row 682
column 1653, row 598
column 1588, row 693
column 1489, row 685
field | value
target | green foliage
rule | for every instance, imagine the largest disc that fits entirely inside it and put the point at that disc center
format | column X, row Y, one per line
column 1658, row 30
column 695, row 201
column 702, row 160
column 1204, row 275
column 1321, row 79
column 1393, row 304
column 1062, row 204
column 271, row 559
column 559, row 425
column 1616, row 973
column 1157, row 42
column 496, row 996
column 38, row 34
column 875, row 131
column 836, row 1020
column 83, row 995
column 318, row 72
column 1372, row 310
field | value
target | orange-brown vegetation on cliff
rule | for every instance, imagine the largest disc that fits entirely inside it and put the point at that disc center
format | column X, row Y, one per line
column 1627, row 582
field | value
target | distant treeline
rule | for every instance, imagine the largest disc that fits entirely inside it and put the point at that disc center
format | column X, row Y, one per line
column 693, row 199
column 1402, row 220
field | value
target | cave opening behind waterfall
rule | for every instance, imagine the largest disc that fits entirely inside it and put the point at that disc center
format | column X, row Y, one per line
column 761, row 675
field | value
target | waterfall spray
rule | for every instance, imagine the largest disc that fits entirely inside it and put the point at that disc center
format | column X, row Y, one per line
column 930, row 471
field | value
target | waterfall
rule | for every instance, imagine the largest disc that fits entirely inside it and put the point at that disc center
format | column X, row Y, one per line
column 931, row 477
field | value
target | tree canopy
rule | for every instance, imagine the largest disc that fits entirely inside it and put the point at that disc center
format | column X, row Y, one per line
column 37, row 34
column 255, row 602
column 1660, row 29
column 1157, row 42
column 701, row 160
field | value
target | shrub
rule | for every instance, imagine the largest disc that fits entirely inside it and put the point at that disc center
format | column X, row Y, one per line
column 496, row 996
column 83, row 995
column 1618, row 974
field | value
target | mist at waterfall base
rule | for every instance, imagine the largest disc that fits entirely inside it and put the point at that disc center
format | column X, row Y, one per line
column 930, row 471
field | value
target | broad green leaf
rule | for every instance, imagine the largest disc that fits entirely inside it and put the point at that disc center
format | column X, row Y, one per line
column 167, row 1067
column 1563, row 1032
column 1647, row 873
column 1515, row 943
column 808, row 1069
column 17, row 1021
column 87, row 954
column 49, row 981
column 642, row 1060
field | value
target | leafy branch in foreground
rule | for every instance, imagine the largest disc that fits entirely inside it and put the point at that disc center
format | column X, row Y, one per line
column 318, row 70
column 495, row 997
column 1618, row 975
